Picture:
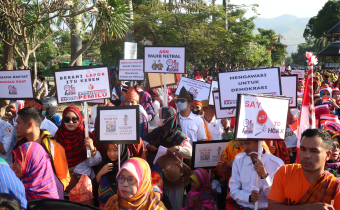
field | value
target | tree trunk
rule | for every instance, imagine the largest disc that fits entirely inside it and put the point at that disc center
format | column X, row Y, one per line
column 225, row 6
column 130, row 35
column 76, row 43
column 7, row 56
column 35, row 72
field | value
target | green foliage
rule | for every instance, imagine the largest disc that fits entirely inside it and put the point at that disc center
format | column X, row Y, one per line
column 300, row 56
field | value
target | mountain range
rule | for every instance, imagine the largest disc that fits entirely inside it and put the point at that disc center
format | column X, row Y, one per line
column 289, row 26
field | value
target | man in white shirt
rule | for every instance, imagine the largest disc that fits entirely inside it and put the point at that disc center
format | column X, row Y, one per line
column 43, row 84
column 7, row 141
column 215, row 128
column 192, row 125
column 246, row 166
column 49, row 126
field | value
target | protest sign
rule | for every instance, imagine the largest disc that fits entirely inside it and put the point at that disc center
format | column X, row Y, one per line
column 214, row 87
column 222, row 113
column 130, row 50
column 289, row 88
column 261, row 117
column 200, row 90
column 156, row 80
column 260, row 81
column 131, row 70
column 164, row 59
column 82, row 84
column 206, row 154
column 300, row 73
column 97, row 101
column 118, row 125
column 16, row 84
column 282, row 68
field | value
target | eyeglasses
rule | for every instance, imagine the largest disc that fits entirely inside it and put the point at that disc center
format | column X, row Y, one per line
column 130, row 180
column 181, row 100
column 335, row 146
column 68, row 119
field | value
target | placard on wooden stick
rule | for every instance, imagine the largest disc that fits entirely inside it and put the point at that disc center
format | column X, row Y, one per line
column 131, row 70
column 16, row 84
column 260, row 117
column 156, row 80
column 200, row 90
column 289, row 88
column 222, row 113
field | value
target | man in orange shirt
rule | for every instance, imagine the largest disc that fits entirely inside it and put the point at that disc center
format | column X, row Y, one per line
column 307, row 186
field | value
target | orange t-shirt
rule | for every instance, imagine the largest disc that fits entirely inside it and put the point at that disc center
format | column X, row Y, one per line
column 290, row 185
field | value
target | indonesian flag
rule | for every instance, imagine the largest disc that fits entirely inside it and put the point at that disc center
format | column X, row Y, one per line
column 307, row 114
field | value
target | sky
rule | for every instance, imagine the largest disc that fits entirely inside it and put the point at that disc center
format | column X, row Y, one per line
column 275, row 8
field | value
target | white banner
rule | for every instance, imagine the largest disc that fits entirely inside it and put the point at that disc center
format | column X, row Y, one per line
column 300, row 73
column 131, row 70
column 259, row 81
column 16, row 84
column 164, row 59
column 214, row 87
column 222, row 113
column 130, row 50
column 200, row 90
column 82, row 85
column 261, row 118
column 289, row 89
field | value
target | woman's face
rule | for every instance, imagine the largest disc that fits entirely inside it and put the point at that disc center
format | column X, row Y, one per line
column 300, row 86
column 335, row 151
column 336, row 96
column 130, row 102
column 326, row 93
column 129, row 186
column 17, row 168
column 112, row 152
column 71, row 126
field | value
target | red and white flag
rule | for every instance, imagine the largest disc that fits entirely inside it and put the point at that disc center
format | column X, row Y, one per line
column 307, row 113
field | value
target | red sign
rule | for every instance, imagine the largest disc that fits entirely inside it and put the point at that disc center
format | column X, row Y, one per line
column 262, row 117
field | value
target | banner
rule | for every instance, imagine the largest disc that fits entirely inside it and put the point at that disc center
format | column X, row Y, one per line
column 222, row 113
column 164, row 59
column 260, row 81
column 118, row 125
column 289, row 89
column 87, row 83
column 131, row 70
column 200, row 90
column 261, row 117
column 300, row 73
column 16, row 84
column 214, row 87
column 130, row 50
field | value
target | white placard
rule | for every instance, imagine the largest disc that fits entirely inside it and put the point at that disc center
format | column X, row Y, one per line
column 282, row 69
column 259, row 81
column 300, row 73
column 208, row 153
column 200, row 90
column 164, row 59
column 222, row 113
column 97, row 101
column 289, row 89
column 214, row 87
column 16, row 84
column 258, row 118
column 130, row 50
column 131, row 70
column 82, row 85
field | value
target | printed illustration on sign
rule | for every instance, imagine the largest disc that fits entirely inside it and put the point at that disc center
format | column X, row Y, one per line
column 12, row 90
column 261, row 120
column 110, row 126
column 172, row 65
column 248, row 127
column 69, row 90
column 205, row 155
column 125, row 119
column 219, row 150
column 90, row 87
column 194, row 92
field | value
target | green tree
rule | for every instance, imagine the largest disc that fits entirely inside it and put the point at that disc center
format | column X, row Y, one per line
column 300, row 56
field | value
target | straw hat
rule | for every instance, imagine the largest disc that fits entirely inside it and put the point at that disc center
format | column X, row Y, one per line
column 176, row 174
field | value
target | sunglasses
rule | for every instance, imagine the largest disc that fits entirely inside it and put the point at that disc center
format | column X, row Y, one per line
column 73, row 119
column 181, row 100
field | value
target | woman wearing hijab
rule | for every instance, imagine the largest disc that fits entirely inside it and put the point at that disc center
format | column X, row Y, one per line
column 333, row 164
column 324, row 92
column 146, row 101
column 134, row 188
column 300, row 88
column 71, row 135
column 33, row 166
column 10, row 184
column 169, row 135
column 106, row 177
column 157, row 103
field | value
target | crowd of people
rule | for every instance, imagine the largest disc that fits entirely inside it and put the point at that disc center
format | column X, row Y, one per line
column 44, row 156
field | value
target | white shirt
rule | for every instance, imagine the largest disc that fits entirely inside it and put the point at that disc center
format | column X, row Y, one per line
column 115, row 93
column 7, row 138
column 243, row 179
column 192, row 127
column 156, row 106
column 215, row 128
column 49, row 126
column 46, row 88
column 85, row 167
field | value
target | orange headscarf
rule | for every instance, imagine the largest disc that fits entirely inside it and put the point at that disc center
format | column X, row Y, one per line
column 132, row 94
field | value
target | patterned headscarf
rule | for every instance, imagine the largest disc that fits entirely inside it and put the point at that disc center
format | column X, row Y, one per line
column 10, row 184
column 82, row 191
column 132, row 94
column 323, row 88
column 38, row 177
column 201, row 177
column 145, row 197
column 184, row 94
column 157, row 178
column 73, row 141
column 170, row 134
